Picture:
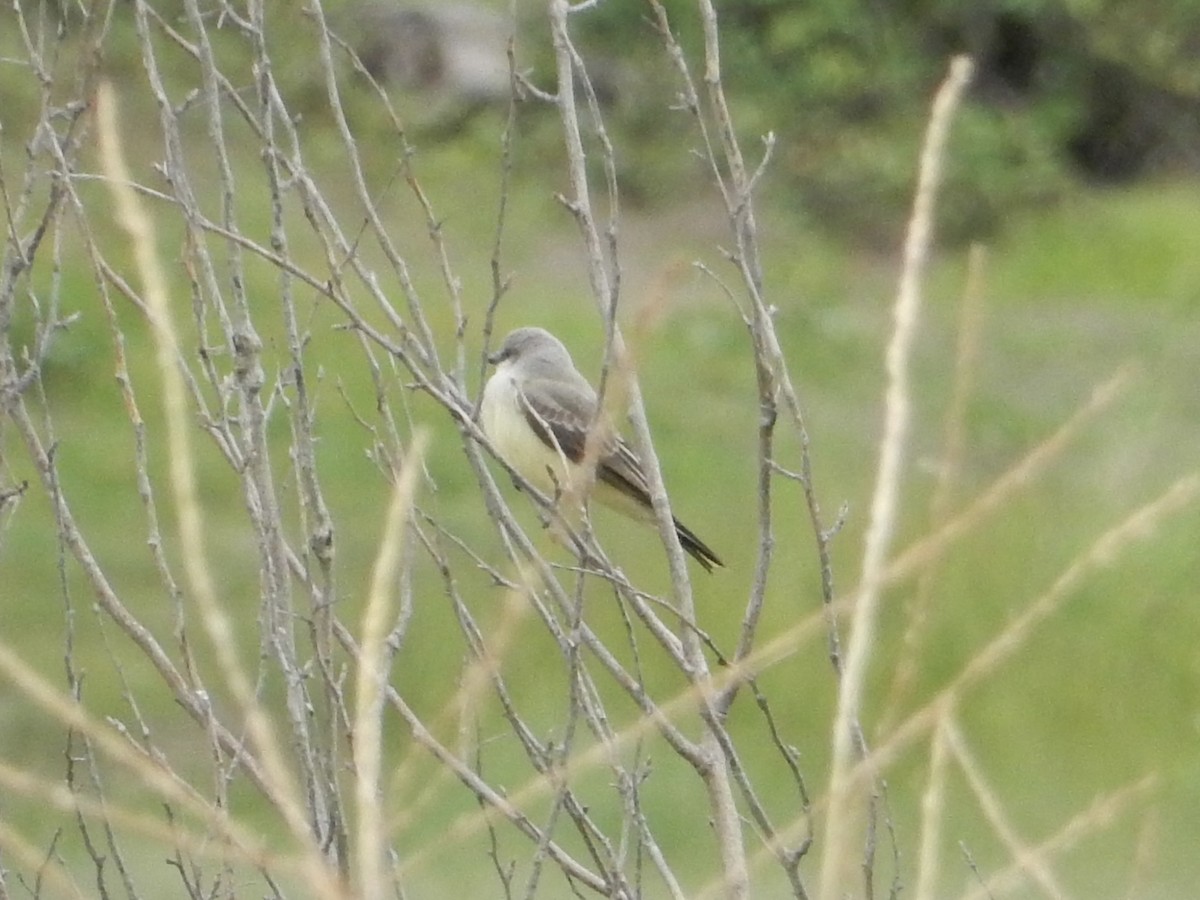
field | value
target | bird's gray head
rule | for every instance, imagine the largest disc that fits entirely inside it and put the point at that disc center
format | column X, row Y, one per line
column 533, row 346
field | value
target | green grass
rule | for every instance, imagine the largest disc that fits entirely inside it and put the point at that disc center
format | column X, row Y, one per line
column 1103, row 693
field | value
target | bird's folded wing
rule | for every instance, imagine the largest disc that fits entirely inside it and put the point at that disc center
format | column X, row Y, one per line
column 623, row 470
column 561, row 414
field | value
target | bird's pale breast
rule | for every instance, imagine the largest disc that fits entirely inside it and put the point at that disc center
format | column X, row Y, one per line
column 504, row 423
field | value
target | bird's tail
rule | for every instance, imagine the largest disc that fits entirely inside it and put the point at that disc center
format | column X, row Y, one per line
column 697, row 548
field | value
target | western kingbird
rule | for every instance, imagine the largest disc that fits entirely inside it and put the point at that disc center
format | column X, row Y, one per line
column 538, row 411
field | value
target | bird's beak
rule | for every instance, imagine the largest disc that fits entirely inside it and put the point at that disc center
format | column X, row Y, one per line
column 496, row 358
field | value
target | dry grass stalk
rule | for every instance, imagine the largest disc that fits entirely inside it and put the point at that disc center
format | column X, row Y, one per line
column 1035, row 867
column 132, row 217
column 933, row 809
column 373, row 667
column 158, row 778
column 1103, row 811
column 926, row 551
column 949, row 471
column 1104, row 552
column 839, row 848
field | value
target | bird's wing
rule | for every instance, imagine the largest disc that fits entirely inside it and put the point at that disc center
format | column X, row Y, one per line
column 559, row 413
column 622, row 469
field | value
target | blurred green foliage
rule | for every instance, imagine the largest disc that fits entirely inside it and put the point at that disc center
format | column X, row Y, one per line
column 1158, row 39
column 1062, row 87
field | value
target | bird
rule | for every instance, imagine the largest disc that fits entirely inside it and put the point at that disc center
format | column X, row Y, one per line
column 538, row 411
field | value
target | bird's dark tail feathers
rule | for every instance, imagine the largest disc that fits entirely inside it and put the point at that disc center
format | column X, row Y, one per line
column 697, row 548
